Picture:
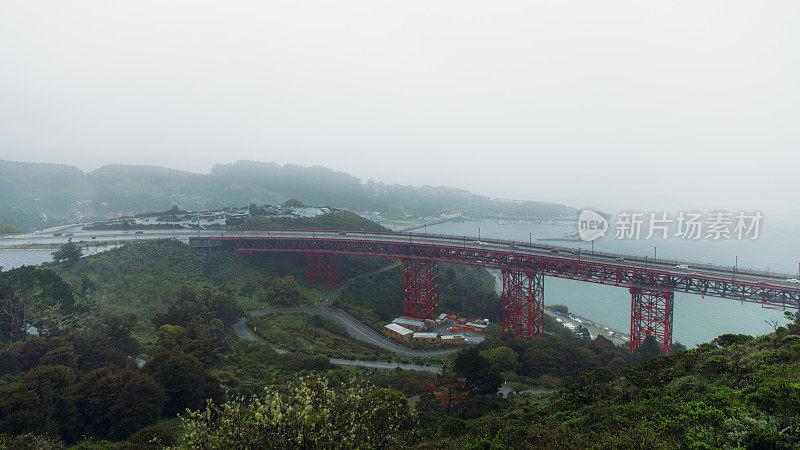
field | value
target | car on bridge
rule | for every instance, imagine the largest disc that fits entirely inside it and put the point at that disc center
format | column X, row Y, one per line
column 682, row 266
column 793, row 280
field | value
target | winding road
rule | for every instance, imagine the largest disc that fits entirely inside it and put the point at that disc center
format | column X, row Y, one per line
column 355, row 328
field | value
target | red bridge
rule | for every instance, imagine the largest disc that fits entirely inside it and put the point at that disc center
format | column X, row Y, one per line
column 652, row 283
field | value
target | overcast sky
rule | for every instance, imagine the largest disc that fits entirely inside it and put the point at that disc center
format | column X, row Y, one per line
column 613, row 104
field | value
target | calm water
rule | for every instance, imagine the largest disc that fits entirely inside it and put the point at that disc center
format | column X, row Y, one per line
column 696, row 320
column 12, row 258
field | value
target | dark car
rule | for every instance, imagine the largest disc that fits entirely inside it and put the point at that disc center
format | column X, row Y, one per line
column 342, row 233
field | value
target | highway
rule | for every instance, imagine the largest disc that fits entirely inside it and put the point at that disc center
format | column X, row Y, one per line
column 669, row 267
column 684, row 271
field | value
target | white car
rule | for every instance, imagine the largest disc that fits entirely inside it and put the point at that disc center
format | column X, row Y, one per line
column 793, row 280
column 682, row 266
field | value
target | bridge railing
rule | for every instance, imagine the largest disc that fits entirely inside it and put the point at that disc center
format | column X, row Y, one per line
column 464, row 240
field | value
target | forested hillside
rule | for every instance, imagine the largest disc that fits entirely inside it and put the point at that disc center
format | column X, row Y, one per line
column 56, row 190
column 133, row 337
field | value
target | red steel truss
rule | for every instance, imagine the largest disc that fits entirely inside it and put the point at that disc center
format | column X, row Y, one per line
column 523, row 302
column 651, row 315
column 324, row 266
column 420, row 288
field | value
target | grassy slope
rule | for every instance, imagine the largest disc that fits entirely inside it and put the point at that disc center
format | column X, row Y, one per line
column 317, row 335
column 734, row 392
column 140, row 277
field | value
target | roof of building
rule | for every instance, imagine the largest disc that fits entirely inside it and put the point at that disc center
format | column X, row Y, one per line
column 476, row 325
column 453, row 336
column 442, row 316
column 405, row 321
column 421, row 335
column 398, row 329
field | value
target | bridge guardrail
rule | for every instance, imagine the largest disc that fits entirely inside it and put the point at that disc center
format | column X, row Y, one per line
column 522, row 244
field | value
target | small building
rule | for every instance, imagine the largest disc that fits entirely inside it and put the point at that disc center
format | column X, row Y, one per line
column 425, row 337
column 442, row 316
column 411, row 324
column 453, row 339
column 398, row 331
column 479, row 327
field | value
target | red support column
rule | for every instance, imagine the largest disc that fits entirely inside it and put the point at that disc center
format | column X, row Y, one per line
column 523, row 302
column 651, row 315
column 420, row 288
column 324, row 266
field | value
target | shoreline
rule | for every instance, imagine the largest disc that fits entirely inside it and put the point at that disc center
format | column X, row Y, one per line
column 595, row 328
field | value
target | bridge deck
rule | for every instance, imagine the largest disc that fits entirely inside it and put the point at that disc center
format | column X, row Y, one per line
column 766, row 288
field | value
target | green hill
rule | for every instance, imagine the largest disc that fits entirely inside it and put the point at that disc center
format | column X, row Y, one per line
column 735, row 392
column 60, row 191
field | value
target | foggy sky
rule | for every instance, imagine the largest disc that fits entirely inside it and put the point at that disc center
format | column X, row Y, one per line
column 612, row 104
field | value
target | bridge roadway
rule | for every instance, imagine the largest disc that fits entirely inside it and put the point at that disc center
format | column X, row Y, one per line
column 768, row 288
column 652, row 283
column 763, row 287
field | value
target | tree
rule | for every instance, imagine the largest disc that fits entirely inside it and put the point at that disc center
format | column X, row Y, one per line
column 87, row 286
column 115, row 403
column 283, row 291
column 68, row 251
column 153, row 437
column 21, row 410
column 31, row 296
column 501, row 358
column 478, row 372
column 53, row 385
column 184, row 379
column 201, row 306
column 118, row 329
column 293, row 203
column 308, row 413
column 646, row 350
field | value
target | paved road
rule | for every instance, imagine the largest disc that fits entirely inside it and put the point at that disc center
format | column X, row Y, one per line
column 685, row 269
column 355, row 328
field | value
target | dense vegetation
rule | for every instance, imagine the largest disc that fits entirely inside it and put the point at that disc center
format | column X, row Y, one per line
column 734, row 392
column 79, row 376
column 54, row 189
column 97, row 372
column 146, row 277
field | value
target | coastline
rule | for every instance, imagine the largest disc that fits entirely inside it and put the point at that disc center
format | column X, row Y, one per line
column 595, row 328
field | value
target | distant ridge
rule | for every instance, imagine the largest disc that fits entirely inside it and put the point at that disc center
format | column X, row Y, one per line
column 61, row 190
